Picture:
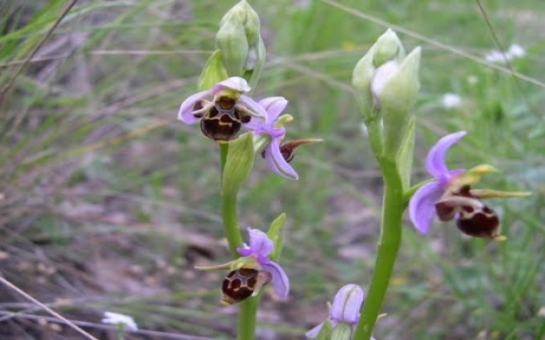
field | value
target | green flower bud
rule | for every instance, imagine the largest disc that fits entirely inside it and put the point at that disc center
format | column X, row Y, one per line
column 231, row 41
column 239, row 39
column 387, row 83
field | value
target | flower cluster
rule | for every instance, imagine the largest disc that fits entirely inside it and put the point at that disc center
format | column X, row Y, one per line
column 497, row 56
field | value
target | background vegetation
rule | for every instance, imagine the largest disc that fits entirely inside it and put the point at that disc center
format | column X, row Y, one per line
column 107, row 202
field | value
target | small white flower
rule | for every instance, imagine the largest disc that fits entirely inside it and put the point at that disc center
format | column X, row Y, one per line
column 451, row 101
column 514, row 51
column 120, row 319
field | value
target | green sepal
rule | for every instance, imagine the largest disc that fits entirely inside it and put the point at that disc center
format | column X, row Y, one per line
column 405, row 155
column 388, row 47
column 397, row 97
column 252, row 75
column 325, row 332
column 342, row 331
column 213, row 72
column 361, row 81
column 276, row 235
column 238, row 163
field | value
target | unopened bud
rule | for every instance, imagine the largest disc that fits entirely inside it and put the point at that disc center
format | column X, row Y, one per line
column 387, row 83
column 239, row 39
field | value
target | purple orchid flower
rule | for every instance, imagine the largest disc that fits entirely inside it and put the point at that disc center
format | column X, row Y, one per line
column 222, row 117
column 345, row 308
column 274, row 157
column 422, row 208
column 259, row 248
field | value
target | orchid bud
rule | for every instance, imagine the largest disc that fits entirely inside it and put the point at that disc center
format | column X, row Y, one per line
column 343, row 314
column 387, row 83
column 239, row 40
column 232, row 42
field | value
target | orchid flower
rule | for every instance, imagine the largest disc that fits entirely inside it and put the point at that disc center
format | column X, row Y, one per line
column 222, row 117
column 259, row 249
column 345, row 309
column 271, row 128
column 271, row 132
column 450, row 196
column 422, row 204
column 252, row 271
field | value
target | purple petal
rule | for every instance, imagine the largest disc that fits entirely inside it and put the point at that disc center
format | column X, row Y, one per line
column 235, row 83
column 274, row 107
column 254, row 107
column 276, row 162
column 256, row 124
column 381, row 76
column 245, row 250
column 422, row 206
column 260, row 243
column 185, row 114
column 313, row 333
column 347, row 304
column 435, row 163
column 280, row 280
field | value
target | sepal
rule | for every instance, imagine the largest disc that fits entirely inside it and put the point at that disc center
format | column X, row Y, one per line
column 342, row 331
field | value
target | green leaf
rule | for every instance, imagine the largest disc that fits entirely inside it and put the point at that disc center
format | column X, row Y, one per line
column 276, row 235
column 239, row 162
column 405, row 155
column 213, row 72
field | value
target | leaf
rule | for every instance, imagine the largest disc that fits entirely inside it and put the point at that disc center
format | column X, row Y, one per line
column 239, row 162
column 276, row 235
column 213, row 72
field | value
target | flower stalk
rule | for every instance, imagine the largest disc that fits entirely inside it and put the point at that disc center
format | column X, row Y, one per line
column 388, row 247
column 387, row 83
column 248, row 308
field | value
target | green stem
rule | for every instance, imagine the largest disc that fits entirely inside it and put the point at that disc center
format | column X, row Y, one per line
column 390, row 239
column 375, row 133
column 230, row 222
column 247, row 318
column 248, row 308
